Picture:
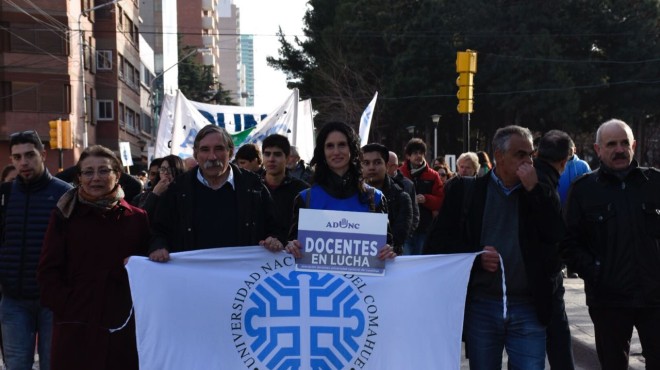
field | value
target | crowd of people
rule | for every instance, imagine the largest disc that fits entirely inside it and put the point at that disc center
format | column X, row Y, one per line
column 65, row 241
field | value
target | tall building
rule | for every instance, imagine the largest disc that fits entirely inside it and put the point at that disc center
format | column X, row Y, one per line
column 229, row 62
column 51, row 49
column 199, row 28
column 247, row 61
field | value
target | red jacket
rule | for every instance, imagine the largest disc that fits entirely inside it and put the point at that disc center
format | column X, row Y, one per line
column 84, row 283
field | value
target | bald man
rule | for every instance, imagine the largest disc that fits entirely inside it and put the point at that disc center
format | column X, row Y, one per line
column 613, row 243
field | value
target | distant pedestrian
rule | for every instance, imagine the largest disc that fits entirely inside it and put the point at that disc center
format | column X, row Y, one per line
column 613, row 243
column 430, row 192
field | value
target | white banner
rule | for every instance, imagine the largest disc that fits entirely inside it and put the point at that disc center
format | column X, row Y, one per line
column 247, row 308
column 181, row 119
column 365, row 121
column 125, row 151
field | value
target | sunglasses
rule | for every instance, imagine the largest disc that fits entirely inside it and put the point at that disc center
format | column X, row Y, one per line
column 28, row 133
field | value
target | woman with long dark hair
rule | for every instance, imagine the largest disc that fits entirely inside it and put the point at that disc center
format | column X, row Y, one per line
column 337, row 183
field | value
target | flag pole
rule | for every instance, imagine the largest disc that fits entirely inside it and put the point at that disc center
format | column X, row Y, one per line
column 295, row 117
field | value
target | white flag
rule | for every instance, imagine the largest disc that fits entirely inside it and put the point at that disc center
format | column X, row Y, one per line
column 247, row 308
column 365, row 121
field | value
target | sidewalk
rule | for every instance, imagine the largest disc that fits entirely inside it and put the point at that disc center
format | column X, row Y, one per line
column 582, row 329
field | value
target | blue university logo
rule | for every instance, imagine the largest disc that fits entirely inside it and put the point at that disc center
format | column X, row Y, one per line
column 305, row 320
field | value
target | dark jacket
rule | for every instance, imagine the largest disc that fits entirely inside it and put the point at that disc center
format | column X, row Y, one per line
column 428, row 183
column 457, row 229
column 399, row 212
column 283, row 197
column 84, row 282
column 613, row 239
column 26, row 219
column 174, row 228
column 409, row 187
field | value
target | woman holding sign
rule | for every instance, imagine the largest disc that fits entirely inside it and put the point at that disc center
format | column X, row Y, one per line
column 337, row 183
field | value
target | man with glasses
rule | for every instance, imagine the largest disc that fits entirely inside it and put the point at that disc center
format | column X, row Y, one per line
column 27, row 203
column 504, row 215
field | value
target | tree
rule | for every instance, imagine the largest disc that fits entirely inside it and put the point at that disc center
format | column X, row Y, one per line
column 198, row 83
column 563, row 64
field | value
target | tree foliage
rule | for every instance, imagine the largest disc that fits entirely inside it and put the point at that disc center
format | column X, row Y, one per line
column 197, row 82
column 566, row 64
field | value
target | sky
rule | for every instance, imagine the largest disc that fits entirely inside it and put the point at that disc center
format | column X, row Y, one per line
column 262, row 18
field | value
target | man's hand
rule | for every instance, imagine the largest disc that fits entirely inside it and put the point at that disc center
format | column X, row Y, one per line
column 527, row 175
column 293, row 247
column 160, row 255
column 272, row 244
column 421, row 198
column 490, row 260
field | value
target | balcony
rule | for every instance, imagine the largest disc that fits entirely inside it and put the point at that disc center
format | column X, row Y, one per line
column 207, row 41
column 207, row 22
column 208, row 59
column 208, row 5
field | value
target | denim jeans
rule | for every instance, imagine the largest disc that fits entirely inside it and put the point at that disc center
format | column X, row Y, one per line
column 414, row 244
column 21, row 321
column 487, row 333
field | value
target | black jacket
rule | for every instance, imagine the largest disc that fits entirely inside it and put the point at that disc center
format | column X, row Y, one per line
column 283, row 196
column 173, row 227
column 409, row 187
column 399, row 213
column 457, row 229
column 27, row 213
column 613, row 239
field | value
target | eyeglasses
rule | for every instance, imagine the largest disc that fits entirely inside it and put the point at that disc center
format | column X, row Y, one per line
column 442, row 174
column 102, row 172
column 164, row 169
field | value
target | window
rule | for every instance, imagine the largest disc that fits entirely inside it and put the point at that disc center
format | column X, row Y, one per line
column 130, row 119
column 122, row 65
column 27, row 38
column 25, row 96
column 121, row 114
column 104, row 60
column 104, row 111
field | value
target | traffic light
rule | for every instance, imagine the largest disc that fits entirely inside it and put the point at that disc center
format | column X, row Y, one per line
column 67, row 135
column 55, row 134
column 466, row 66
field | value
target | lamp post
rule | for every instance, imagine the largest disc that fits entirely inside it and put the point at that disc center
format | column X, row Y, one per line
column 81, row 40
column 151, row 85
column 436, row 120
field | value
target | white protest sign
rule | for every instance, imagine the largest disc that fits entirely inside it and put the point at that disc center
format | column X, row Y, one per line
column 341, row 241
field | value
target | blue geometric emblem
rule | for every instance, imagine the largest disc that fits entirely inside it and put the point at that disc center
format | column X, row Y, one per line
column 304, row 316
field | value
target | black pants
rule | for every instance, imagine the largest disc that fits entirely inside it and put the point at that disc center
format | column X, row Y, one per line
column 558, row 345
column 614, row 328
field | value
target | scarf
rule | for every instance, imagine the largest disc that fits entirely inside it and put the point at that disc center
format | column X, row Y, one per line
column 417, row 171
column 68, row 202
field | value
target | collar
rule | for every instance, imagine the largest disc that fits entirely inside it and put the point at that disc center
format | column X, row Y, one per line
column 607, row 172
column 499, row 183
column 230, row 179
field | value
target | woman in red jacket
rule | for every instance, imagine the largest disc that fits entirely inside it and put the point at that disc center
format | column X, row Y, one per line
column 81, row 272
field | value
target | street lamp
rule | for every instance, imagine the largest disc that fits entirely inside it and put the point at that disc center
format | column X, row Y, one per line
column 81, row 40
column 151, row 85
column 436, row 120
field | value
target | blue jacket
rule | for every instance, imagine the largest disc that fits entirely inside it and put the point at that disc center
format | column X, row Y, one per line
column 575, row 167
column 27, row 214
